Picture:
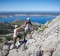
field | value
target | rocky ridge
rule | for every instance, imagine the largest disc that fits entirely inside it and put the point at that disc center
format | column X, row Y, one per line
column 46, row 43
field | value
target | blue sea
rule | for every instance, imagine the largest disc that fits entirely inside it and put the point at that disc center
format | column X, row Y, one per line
column 39, row 19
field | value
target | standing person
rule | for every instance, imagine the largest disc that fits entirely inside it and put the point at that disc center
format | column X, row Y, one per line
column 28, row 26
column 15, row 35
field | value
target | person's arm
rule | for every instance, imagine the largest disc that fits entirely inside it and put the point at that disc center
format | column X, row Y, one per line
column 20, row 27
column 32, row 26
column 30, row 23
column 25, row 23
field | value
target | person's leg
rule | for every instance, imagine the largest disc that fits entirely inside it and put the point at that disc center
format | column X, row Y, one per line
column 30, row 36
column 18, row 37
column 25, row 34
column 14, row 41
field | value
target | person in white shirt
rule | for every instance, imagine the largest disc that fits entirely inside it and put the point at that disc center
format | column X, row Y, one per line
column 15, row 35
column 28, row 26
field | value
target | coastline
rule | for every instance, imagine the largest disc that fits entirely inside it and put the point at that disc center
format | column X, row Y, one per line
column 6, row 15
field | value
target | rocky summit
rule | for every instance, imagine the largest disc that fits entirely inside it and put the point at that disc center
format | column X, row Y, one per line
column 46, row 43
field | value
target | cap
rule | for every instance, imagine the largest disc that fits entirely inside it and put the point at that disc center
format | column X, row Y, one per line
column 16, row 26
column 28, row 18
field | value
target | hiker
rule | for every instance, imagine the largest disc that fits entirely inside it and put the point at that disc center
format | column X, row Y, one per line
column 16, row 35
column 28, row 26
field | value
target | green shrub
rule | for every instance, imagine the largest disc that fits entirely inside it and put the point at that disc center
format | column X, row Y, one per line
column 42, row 28
column 1, row 41
column 8, row 38
column 21, row 36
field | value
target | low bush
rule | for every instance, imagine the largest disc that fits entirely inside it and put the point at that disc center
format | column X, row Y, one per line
column 8, row 38
column 42, row 28
column 1, row 41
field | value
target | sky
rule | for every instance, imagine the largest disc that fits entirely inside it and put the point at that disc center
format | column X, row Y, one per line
column 29, row 5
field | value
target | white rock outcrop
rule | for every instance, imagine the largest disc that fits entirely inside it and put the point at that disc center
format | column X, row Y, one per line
column 46, row 43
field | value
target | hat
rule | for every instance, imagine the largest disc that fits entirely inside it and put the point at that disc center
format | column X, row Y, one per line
column 28, row 18
column 16, row 26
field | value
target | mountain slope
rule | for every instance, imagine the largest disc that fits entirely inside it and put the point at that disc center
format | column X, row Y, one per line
column 46, row 43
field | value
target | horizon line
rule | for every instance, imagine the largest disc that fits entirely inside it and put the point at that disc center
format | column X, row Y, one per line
column 29, row 11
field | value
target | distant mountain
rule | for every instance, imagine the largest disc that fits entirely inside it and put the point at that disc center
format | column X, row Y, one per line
column 8, row 27
column 30, row 13
column 18, row 22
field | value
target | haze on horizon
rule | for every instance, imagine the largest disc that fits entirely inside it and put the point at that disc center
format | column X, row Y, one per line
column 30, row 5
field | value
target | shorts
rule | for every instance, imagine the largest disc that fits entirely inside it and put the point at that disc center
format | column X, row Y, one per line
column 18, row 36
column 27, row 31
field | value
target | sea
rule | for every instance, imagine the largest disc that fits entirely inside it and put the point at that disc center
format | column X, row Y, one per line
column 38, row 19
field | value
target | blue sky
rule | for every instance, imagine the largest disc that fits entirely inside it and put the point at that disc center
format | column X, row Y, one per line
column 29, row 5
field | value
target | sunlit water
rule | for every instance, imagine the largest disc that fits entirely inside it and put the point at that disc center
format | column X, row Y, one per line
column 39, row 19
